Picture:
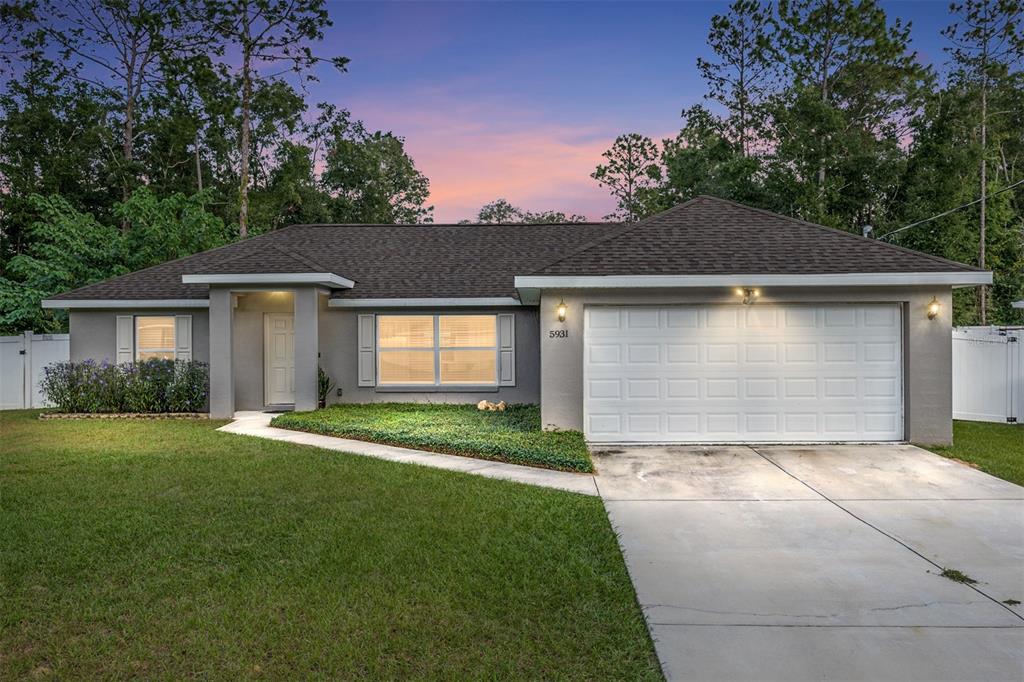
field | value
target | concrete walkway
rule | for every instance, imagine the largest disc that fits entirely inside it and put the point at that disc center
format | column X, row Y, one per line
column 820, row 563
column 258, row 424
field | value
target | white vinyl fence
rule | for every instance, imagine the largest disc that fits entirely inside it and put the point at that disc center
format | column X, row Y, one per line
column 988, row 374
column 22, row 359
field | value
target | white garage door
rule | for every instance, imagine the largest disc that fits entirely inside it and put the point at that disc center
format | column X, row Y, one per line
column 732, row 373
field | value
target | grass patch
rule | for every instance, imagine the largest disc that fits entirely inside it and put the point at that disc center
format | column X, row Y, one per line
column 512, row 436
column 168, row 550
column 996, row 449
column 958, row 576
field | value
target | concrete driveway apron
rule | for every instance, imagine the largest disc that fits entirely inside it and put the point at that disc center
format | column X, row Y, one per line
column 820, row 563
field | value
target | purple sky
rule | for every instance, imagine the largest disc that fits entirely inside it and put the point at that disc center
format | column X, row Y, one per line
column 519, row 99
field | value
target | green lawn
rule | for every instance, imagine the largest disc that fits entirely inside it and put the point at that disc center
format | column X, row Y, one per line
column 167, row 550
column 510, row 436
column 997, row 449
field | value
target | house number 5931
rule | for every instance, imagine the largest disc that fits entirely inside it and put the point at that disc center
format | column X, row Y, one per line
column 558, row 334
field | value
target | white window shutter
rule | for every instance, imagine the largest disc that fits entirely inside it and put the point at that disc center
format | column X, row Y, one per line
column 506, row 349
column 367, row 350
column 183, row 337
column 125, row 339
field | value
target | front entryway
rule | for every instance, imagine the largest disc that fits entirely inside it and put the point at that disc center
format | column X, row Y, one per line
column 734, row 373
column 279, row 358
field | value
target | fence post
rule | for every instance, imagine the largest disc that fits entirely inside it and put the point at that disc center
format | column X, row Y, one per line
column 26, row 373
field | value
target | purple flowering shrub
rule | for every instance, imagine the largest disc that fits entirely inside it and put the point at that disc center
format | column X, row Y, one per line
column 146, row 386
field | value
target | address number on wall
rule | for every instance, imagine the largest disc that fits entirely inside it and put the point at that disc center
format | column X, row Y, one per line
column 558, row 334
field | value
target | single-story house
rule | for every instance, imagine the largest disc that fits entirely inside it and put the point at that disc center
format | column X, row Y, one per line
column 710, row 322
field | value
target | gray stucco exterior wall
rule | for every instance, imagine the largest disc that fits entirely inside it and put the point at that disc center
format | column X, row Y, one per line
column 927, row 348
column 94, row 333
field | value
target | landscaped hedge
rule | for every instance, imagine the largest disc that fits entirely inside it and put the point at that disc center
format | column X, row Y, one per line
column 514, row 435
column 147, row 386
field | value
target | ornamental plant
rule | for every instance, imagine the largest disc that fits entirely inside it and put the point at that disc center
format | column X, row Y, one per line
column 147, row 386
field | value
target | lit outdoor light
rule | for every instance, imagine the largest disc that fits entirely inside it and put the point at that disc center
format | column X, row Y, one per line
column 748, row 294
column 562, row 308
column 934, row 308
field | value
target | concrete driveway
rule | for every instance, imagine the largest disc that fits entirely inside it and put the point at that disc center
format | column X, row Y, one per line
column 820, row 563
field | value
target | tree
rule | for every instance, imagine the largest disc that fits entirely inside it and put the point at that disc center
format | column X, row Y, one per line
column 65, row 249
column 704, row 158
column 15, row 18
column 741, row 76
column 122, row 42
column 632, row 174
column 268, row 32
column 53, row 140
column 501, row 211
column 987, row 43
column 852, row 85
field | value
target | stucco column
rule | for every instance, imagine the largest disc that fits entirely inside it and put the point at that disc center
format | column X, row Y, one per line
column 307, row 347
column 222, row 383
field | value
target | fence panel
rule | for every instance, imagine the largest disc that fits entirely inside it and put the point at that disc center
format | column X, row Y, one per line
column 988, row 374
column 22, row 359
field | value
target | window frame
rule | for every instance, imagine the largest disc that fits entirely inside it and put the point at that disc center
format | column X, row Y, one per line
column 436, row 351
column 135, row 337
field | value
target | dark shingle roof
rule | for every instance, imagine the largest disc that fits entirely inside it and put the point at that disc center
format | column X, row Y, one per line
column 385, row 261
column 703, row 236
column 711, row 236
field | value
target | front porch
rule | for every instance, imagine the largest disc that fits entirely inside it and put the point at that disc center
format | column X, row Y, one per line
column 264, row 348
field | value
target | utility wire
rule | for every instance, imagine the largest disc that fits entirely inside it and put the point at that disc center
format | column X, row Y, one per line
column 952, row 210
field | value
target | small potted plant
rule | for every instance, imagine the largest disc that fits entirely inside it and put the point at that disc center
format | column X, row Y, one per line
column 323, row 386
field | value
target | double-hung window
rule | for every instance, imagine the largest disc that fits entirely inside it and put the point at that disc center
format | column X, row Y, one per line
column 437, row 350
column 154, row 337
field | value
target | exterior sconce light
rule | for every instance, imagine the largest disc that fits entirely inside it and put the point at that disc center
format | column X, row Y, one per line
column 749, row 295
column 561, row 310
column 934, row 308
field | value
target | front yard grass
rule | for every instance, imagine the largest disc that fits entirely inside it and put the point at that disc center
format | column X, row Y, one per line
column 997, row 449
column 512, row 436
column 168, row 550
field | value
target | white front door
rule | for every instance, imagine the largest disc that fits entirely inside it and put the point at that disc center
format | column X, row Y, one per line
column 731, row 373
column 279, row 358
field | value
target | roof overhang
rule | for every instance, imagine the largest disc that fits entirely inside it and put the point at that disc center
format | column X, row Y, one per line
column 69, row 303
column 467, row 302
column 528, row 285
column 1018, row 304
column 323, row 279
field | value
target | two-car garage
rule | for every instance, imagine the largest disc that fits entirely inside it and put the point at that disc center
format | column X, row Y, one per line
column 743, row 373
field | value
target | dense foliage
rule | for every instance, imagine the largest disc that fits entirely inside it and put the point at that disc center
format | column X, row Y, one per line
column 130, row 134
column 823, row 110
column 147, row 386
column 511, row 436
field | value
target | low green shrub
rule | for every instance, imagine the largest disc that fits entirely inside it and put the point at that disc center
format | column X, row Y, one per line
column 513, row 436
column 147, row 386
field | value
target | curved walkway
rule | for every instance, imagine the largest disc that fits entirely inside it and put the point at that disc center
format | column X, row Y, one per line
column 258, row 424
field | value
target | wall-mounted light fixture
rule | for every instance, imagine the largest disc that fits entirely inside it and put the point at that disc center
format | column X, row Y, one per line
column 934, row 308
column 749, row 295
column 561, row 310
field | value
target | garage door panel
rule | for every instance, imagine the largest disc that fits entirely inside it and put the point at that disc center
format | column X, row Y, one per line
column 743, row 373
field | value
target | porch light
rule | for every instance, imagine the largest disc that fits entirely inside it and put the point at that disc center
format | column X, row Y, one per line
column 934, row 308
column 749, row 295
column 561, row 310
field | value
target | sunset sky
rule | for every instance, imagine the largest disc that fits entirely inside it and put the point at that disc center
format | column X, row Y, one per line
column 518, row 100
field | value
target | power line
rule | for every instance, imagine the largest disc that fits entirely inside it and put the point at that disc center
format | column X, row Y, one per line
column 952, row 210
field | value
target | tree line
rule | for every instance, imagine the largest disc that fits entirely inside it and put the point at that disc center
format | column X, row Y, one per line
column 137, row 131
column 822, row 110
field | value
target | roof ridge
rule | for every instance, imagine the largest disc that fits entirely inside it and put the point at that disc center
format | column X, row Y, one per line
column 308, row 262
column 595, row 223
column 625, row 229
column 845, row 233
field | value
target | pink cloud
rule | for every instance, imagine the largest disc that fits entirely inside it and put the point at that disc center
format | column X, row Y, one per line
column 475, row 152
